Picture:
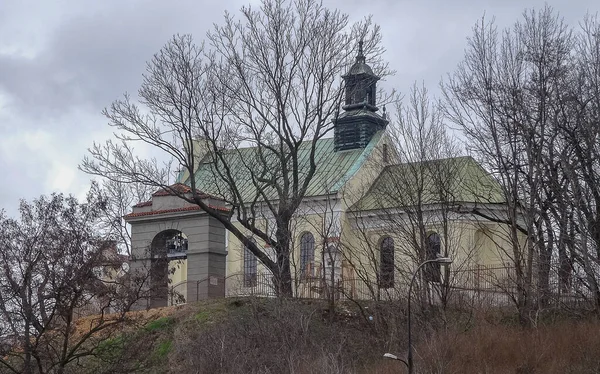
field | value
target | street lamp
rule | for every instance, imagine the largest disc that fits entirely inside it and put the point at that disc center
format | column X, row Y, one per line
column 440, row 260
column 394, row 357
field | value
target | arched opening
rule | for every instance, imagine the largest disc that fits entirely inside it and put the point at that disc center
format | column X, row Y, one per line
column 172, row 244
column 386, row 263
column 433, row 248
column 169, row 245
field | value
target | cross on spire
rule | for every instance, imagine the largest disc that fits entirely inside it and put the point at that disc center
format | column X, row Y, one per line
column 360, row 58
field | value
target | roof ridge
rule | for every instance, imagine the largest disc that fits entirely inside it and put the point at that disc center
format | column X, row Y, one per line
column 305, row 141
column 434, row 160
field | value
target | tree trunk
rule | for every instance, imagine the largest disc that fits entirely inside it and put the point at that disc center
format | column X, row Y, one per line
column 282, row 275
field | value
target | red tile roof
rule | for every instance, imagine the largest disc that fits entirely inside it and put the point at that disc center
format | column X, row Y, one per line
column 177, row 188
column 184, row 209
column 180, row 188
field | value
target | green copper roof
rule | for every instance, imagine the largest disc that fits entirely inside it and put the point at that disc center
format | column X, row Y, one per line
column 453, row 180
column 333, row 170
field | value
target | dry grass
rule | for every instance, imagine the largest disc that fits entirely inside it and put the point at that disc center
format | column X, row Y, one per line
column 270, row 336
column 561, row 347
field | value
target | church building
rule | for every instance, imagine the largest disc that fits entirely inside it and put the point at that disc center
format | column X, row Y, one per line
column 366, row 221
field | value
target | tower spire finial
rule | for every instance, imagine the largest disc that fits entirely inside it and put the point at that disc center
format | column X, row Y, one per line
column 360, row 57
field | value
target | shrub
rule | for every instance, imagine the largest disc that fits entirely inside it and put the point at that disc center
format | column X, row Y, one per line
column 159, row 324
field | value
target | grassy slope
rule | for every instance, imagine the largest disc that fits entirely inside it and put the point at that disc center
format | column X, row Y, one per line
column 272, row 336
column 240, row 336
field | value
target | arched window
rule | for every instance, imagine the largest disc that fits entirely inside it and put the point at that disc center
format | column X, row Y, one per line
column 307, row 255
column 433, row 249
column 386, row 263
column 250, row 267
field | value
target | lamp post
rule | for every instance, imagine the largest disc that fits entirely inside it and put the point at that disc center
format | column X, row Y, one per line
column 409, row 362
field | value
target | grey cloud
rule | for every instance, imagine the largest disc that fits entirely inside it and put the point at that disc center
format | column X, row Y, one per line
column 62, row 62
column 95, row 56
column 92, row 58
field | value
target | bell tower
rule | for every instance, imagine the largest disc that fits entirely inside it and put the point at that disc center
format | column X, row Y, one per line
column 355, row 127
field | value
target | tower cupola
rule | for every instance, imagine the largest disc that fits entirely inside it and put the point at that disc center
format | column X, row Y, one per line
column 360, row 84
column 355, row 127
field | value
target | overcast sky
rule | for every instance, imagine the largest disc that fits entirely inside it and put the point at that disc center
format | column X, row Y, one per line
column 63, row 61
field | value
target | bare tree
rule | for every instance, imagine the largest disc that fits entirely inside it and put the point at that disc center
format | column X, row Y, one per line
column 54, row 265
column 578, row 178
column 269, row 81
column 118, row 198
column 506, row 96
column 413, row 201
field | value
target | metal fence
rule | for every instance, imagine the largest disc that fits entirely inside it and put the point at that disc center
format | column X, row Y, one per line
column 481, row 284
column 498, row 285
column 305, row 288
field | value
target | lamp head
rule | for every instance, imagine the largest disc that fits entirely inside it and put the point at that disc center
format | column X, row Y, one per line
column 389, row 355
column 444, row 260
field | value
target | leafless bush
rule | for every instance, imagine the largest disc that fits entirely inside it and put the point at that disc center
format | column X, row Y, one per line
column 275, row 337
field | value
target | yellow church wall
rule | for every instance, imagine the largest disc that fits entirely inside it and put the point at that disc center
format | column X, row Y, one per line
column 312, row 223
column 177, row 271
column 463, row 242
column 493, row 243
column 360, row 248
column 177, row 279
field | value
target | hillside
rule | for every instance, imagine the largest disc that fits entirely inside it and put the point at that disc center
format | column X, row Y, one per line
column 241, row 336
column 275, row 336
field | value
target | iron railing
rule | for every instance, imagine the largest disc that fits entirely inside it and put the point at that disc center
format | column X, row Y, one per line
column 483, row 284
